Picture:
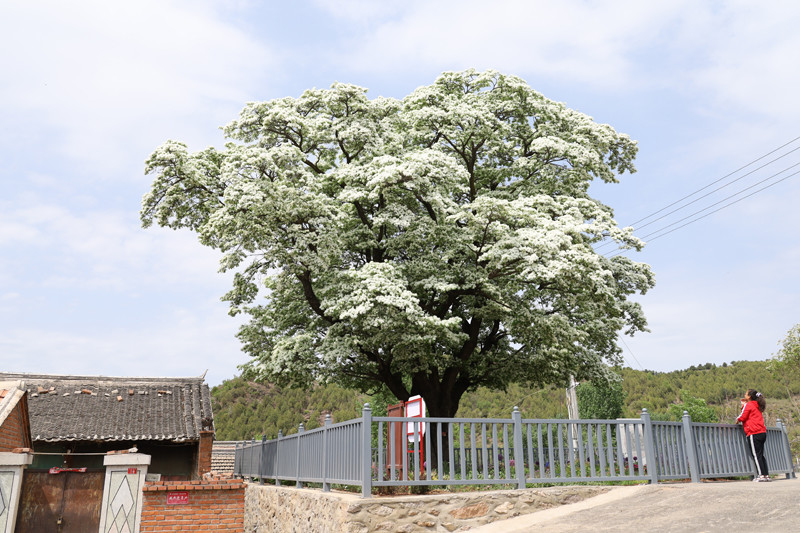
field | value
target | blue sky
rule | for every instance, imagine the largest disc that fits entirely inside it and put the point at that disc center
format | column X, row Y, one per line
column 88, row 89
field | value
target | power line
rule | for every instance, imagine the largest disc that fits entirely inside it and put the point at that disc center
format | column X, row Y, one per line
column 622, row 340
column 611, row 242
column 716, row 210
column 731, row 196
column 718, row 189
column 722, row 178
column 728, row 205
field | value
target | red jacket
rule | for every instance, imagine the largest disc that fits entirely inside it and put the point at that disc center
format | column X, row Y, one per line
column 752, row 419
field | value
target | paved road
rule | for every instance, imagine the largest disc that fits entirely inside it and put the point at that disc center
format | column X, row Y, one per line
column 729, row 506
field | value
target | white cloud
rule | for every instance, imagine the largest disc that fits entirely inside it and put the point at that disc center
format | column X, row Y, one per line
column 103, row 249
column 593, row 43
column 364, row 11
column 747, row 52
column 696, row 319
column 108, row 77
column 186, row 343
column 736, row 54
column 91, row 292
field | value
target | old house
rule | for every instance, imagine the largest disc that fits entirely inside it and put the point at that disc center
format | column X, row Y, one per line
column 76, row 419
column 15, row 429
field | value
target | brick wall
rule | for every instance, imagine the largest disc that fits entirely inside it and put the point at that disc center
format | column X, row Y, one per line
column 14, row 433
column 204, row 451
column 213, row 505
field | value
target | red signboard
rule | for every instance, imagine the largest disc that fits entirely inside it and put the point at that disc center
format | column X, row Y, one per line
column 132, row 470
column 57, row 470
column 415, row 407
column 178, row 498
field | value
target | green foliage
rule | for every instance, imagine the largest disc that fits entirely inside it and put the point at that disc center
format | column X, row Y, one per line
column 548, row 402
column 786, row 363
column 600, row 399
column 697, row 408
column 432, row 245
column 721, row 386
column 245, row 409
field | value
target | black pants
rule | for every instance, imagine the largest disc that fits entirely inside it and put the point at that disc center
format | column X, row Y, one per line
column 756, row 444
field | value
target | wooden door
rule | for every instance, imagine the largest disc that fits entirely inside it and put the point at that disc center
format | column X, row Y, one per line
column 66, row 502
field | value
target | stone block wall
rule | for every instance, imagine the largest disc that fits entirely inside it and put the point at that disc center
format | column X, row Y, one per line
column 286, row 509
column 209, row 505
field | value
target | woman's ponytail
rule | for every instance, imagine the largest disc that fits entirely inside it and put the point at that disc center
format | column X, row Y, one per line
column 758, row 398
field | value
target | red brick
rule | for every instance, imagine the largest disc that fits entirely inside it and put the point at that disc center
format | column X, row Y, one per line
column 213, row 505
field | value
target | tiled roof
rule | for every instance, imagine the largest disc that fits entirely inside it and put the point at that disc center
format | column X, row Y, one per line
column 223, row 454
column 99, row 408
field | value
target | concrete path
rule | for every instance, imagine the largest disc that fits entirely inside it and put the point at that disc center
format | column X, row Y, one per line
column 729, row 506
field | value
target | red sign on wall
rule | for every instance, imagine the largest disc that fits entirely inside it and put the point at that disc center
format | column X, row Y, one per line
column 57, row 470
column 178, row 498
column 132, row 470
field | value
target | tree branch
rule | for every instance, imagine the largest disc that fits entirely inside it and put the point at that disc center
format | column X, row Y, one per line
column 427, row 205
column 311, row 297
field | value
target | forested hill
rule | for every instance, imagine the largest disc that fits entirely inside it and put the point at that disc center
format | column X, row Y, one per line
column 243, row 410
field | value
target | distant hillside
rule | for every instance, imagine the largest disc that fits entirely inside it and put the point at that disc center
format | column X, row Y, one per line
column 243, row 409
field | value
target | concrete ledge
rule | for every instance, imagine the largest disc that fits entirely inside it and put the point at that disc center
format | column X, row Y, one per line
column 124, row 459
column 15, row 459
column 272, row 508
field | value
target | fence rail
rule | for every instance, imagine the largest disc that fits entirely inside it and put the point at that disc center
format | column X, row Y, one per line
column 389, row 451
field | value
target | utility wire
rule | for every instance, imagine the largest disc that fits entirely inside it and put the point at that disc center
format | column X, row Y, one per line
column 729, row 197
column 710, row 192
column 728, row 205
column 611, row 242
column 716, row 210
column 722, row 187
column 720, row 179
column 622, row 340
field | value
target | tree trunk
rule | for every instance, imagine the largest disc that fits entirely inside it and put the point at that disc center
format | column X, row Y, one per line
column 441, row 402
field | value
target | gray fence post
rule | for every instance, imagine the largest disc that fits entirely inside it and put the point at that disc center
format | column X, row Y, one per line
column 326, row 487
column 262, row 467
column 237, row 461
column 278, row 458
column 650, row 459
column 250, row 467
column 300, row 431
column 787, row 449
column 366, row 452
column 519, row 456
column 691, row 452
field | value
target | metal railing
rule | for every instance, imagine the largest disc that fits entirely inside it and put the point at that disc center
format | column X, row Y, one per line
column 389, row 451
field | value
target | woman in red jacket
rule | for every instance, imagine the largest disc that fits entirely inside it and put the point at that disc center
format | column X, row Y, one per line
column 753, row 404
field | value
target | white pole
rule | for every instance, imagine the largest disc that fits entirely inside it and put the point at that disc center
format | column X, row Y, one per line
column 572, row 408
column 572, row 399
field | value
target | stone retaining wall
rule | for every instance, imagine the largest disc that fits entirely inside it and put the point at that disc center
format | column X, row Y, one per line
column 286, row 509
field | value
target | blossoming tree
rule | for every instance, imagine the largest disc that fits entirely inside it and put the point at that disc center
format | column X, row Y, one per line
column 428, row 245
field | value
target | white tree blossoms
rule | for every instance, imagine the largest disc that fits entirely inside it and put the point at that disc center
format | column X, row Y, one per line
column 429, row 245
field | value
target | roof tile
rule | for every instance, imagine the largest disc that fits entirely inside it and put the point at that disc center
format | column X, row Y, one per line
column 96, row 412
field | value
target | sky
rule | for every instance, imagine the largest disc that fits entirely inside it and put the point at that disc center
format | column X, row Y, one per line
column 90, row 88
